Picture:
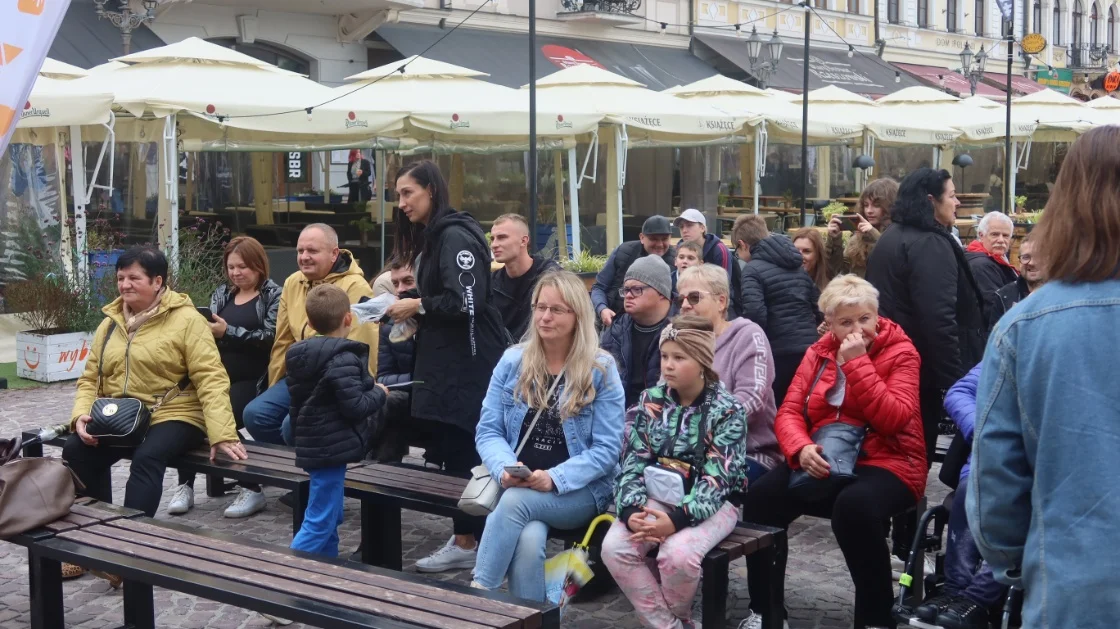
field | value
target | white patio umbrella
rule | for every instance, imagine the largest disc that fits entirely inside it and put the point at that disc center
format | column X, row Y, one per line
column 448, row 104
column 973, row 117
column 1059, row 117
column 61, row 103
column 1107, row 110
column 837, row 105
column 60, row 70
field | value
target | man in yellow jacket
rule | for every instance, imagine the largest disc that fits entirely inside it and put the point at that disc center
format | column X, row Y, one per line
column 320, row 262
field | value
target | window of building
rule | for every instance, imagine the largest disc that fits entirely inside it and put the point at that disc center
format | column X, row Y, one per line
column 892, row 11
column 978, row 11
column 1094, row 25
column 951, row 16
column 853, row 6
column 1111, row 36
column 923, row 13
column 1036, row 18
column 820, row 4
column 1056, row 24
column 1078, row 16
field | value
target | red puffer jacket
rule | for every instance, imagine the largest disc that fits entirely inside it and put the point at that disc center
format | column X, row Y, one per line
column 881, row 393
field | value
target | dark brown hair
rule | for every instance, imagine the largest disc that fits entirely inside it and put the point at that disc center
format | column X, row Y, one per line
column 327, row 306
column 252, row 254
column 751, row 229
column 1079, row 233
column 410, row 240
column 820, row 271
column 881, row 193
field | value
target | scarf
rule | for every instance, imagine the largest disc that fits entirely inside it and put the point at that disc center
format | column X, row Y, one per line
column 978, row 247
column 133, row 321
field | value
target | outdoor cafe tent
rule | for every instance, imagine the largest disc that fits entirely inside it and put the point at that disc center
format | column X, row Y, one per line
column 1059, row 117
column 976, row 121
column 1107, row 110
column 838, row 106
column 59, row 70
column 638, row 117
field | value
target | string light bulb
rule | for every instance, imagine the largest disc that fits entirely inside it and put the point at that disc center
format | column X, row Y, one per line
column 897, row 76
column 663, row 27
column 308, row 110
column 851, row 51
column 738, row 31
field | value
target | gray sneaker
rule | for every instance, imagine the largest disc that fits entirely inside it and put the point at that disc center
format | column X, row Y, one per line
column 754, row 621
column 245, row 504
column 182, row 501
column 449, row 557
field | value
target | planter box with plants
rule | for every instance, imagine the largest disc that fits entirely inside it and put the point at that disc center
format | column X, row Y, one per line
column 62, row 318
column 586, row 266
column 46, row 356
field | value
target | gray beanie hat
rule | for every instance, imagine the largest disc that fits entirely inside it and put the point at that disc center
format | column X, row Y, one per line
column 653, row 272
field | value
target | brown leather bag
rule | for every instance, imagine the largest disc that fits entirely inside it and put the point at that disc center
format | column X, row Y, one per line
column 33, row 491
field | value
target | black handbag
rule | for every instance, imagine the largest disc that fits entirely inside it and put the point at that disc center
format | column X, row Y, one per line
column 123, row 422
column 841, row 444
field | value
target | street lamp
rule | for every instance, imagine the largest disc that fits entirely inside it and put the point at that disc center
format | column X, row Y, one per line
column 763, row 68
column 125, row 20
column 970, row 70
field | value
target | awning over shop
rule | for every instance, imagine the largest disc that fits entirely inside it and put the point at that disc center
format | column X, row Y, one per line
column 943, row 78
column 1019, row 84
column 862, row 74
column 502, row 55
column 85, row 41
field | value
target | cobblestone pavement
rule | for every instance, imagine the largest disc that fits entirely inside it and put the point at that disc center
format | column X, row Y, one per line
column 818, row 588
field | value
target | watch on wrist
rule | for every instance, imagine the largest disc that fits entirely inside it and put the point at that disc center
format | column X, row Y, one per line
column 421, row 308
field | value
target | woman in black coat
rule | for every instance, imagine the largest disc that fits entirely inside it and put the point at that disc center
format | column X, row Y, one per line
column 358, row 174
column 925, row 286
column 460, row 338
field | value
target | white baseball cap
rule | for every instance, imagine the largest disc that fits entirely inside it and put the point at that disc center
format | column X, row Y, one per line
column 692, row 216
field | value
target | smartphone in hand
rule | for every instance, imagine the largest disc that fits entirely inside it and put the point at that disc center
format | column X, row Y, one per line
column 204, row 311
column 518, row 471
column 849, row 222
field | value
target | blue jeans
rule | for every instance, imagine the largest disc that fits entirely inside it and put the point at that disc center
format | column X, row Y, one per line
column 266, row 417
column 966, row 572
column 513, row 543
column 319, row 532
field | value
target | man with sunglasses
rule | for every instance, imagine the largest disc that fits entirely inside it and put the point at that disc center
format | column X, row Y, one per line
column 632, row 338
column 653, row 241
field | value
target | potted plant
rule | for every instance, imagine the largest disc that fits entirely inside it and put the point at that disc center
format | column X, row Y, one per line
column 832, row 209
column 586, row 266
column 365, row 225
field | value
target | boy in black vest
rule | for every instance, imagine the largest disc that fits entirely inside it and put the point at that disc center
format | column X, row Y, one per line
column 336, row 409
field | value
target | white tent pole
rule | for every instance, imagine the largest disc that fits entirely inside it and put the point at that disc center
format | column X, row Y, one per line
column 78, row 183
column 758, row 164
column 573, row 203
column 65, row 247
column 936, row 156
column 381, row 190
column 171, row 173
column 1012, row 173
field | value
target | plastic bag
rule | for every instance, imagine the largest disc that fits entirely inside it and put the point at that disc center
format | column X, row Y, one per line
column 403, row 331
column 373, row 310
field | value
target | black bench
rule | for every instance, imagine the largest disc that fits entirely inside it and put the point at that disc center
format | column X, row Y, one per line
column 267, row 465
column 385, row 489
column 298, row 586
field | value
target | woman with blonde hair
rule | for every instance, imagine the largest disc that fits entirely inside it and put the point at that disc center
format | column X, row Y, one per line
column 861, row 378
column 743, row 361
column 554, row 408
column 809, row 242
column 872, row 219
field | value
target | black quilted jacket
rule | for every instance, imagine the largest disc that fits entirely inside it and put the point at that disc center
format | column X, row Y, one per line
column 780, row 296
column 336, row 407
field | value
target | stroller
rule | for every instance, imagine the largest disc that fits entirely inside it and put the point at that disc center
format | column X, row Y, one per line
column 931, row 541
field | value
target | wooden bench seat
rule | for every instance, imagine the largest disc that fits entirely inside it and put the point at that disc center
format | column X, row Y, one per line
column 298, row 586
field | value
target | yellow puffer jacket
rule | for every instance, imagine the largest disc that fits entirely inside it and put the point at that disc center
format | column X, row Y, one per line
column 173, row 343
column 291, row 321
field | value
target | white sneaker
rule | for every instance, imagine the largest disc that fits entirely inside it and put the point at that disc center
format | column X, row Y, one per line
column 276, row 620
column 182, row 501
column 478, row 586
column 754, row 621
column 449, row 557
column 245, row 504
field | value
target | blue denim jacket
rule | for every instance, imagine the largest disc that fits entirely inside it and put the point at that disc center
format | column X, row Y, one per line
column 594, row 436
column 1042, row 503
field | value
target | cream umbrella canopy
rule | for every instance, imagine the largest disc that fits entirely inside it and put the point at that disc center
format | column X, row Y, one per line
column 59, row 70
column 1059, row 117
column 59, row 103
column 451, row 105
column 974, row 118
column 1107, row 110
column 837, row 105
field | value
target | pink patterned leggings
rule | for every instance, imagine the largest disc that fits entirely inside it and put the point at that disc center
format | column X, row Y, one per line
column 666, row 604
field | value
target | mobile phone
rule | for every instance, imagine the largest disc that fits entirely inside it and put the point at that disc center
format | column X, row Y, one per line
column 204, row 311
column 518, row 471
column 849, row 222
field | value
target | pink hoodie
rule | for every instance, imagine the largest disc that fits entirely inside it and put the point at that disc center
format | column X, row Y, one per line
column 745, row 365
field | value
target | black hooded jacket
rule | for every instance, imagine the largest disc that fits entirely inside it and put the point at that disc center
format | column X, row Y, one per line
column 460, row 338
column 780, row 296
column 335, row 407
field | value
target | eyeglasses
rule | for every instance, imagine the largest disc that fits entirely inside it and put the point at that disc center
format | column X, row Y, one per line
column 692, row 297
column 1025, row 257
column 557, row 311
column 636, row 291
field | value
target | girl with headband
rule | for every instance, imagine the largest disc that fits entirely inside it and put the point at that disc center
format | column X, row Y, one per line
column 683, row 456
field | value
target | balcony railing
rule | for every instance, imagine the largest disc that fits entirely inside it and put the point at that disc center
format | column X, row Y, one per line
column 1087, row 55
column 621, row 7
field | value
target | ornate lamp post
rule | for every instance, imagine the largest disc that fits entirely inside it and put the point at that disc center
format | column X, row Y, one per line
column 762, row 68
column 125, row 20
column 973, row 72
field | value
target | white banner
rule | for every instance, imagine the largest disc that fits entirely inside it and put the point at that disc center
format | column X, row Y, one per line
column 27, row 28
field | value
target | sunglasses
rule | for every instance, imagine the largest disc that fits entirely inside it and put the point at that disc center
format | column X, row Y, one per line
column 692, row 298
